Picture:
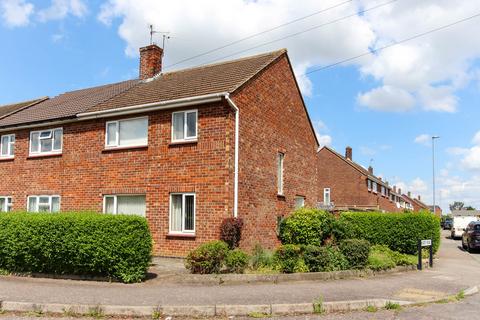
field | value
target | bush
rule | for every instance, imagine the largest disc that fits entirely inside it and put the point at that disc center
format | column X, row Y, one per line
column 261, row 258
column 380, row 258
column 207, row 258
column 399, row 231
column 356, row 251
column 236, row 261
column 324, row 259
column 115, row 246
column 231, row 231
column 306, row 227
column 288, row 257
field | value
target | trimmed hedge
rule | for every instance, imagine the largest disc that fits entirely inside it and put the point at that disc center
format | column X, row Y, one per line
column 324, row 259
column 306, row 227
column 399, row 231
column 116, row 246
column 356, row 251
column 207, row 258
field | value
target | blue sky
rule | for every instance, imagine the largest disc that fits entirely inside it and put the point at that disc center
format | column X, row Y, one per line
column 385, row 105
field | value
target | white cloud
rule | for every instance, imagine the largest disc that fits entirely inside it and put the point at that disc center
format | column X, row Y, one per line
column 417, row 187
column 16, row 13
column 476, row 138
column 457, row 151
column 367, row 151
column 324, row 139
column 387, row 98
column 423, row 139
column 59, row 9
column 321, row 129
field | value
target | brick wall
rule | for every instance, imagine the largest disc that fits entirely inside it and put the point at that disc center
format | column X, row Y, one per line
column 85, row 172
column 273, row 119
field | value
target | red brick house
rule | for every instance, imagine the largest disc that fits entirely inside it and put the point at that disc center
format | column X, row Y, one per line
column 186, row 149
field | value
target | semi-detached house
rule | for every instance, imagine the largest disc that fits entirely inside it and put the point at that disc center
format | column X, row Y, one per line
column 185, row 149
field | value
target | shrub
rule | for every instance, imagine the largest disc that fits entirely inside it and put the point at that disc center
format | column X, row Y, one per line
column 306, row 226
column 399, row 231
column 231, row 231
column 356, row 251
column 261, row 258
column 380, row 258
column 236, row 261
column 207, row 258
column 287, row 257
column 115, row 246
column 323, row 259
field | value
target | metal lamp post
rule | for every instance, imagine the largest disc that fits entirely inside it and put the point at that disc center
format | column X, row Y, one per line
column 433, row 170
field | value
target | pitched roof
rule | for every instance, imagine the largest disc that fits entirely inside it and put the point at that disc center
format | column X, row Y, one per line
column 214, row 78
column 7, row 109
column 209, row 79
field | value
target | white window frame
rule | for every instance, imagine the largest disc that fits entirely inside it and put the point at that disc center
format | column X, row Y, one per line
column 8, row 204
column 280, row 173
column 302, row 198
column 49, row 202
column 115, row 205
column 325, row 192
column 383, row 190
column 10, row 146
column 374, row 187
column 117, row 134
column 369, row 185
column 52, row 137
column 185, row 138
column 183, row 232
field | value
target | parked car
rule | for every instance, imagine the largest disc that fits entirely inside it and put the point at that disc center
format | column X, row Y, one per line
column 447, row 224
column 471, row 236
column 459, row 225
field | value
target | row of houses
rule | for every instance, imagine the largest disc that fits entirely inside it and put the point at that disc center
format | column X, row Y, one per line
column 186, row 149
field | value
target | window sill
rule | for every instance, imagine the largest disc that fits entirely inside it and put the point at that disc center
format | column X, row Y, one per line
column 181, row 235
column 45, row 155
column 125, row 148
column 181, row 142
column 7, row 158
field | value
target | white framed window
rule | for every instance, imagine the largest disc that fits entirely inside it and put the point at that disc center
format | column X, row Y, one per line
column 125, row 204
column 369, row 185
column 374, row 186
column 6, row 204
column 7, row 146
column 326, row 196
column 46, row 141
column 44, row 203
column 184, row 125
column 280, row 164
column 299, row 202
column 127, row 133
column 182, row 213
column 384, row 191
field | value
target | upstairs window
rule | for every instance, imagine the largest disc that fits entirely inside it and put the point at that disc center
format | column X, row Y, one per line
column 184, row 125
column 299, row 202
column 326, row 196
column 127, row 133
column 43, row 204
column 7, row 144
column 280, row 160
column 5, row 204
column 46, row 141
column 182, row 213
column 369, row 185
column 374, row 186
column 384, row 191
column 125, row 204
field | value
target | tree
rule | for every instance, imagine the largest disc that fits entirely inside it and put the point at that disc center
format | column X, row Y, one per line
column 457, row 205
column 469, row 208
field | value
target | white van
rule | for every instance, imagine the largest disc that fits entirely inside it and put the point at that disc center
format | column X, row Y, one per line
column 459, row 225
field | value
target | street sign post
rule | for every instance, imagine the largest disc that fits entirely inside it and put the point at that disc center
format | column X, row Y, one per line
column 421, row 244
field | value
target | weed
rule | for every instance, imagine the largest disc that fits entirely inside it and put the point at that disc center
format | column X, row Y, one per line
column 460, row 295
column 95, row 312
column 157, row 314
column 371, row 309
column 318, row 305
column 258, row 315
column 69, row 312
column 392, row 306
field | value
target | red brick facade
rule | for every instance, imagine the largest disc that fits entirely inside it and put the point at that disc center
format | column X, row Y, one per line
column 272, row 119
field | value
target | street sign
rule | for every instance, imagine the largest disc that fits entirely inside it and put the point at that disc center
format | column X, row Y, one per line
column 426, row 243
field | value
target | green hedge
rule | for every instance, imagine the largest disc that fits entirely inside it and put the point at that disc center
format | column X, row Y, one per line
column 115, row 246
column 399, row 231
column 306, row 227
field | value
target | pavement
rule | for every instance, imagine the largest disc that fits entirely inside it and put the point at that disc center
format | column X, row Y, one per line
column 455, row 270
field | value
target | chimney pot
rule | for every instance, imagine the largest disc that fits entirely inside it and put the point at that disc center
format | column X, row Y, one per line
column 370, row 170
column 419, row 198
column 348, row 153
column 400, row 191
column 409, row 194
column 394, row 188
column 150, row 61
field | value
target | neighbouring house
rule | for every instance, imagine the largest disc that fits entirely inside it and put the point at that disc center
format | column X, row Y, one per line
column 346, row 185
column 185, row 149
column 416, row 202
column 438, row 210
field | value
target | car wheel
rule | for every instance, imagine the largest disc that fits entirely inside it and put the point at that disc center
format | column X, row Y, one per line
column 464, row 246
column 468, row 248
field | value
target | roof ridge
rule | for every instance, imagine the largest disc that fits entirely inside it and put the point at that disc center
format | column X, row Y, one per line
column 20, row 102
column 29, row 103
column 278, row 52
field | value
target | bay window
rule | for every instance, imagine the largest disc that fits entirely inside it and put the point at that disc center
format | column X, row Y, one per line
column 46, row 141
column 182, row 213
column 5, row 204
column 7, row 143
column 125, row 204
column 43, row 203
column 127, row 133
column 184, row 125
